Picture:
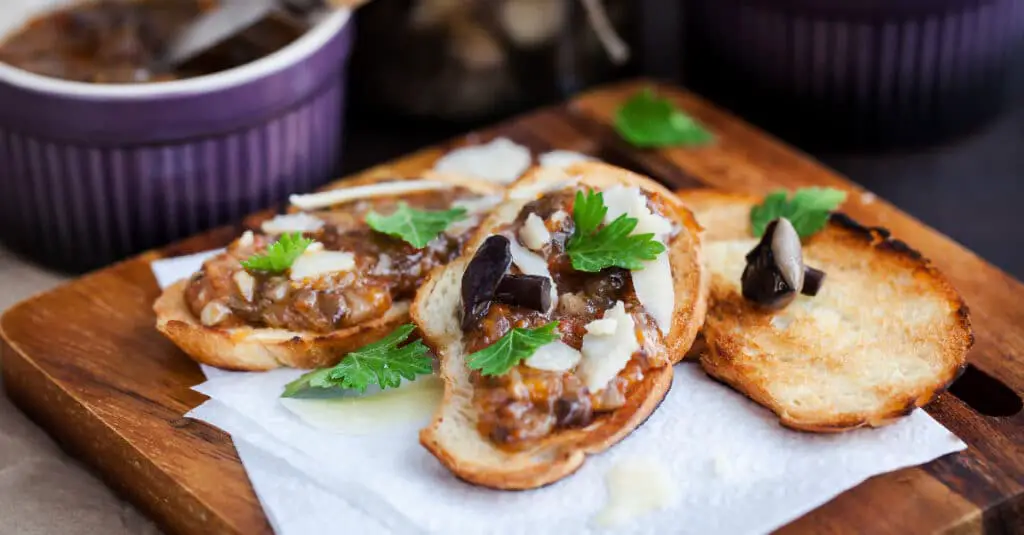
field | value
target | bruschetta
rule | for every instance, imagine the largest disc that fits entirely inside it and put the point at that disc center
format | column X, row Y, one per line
column 558, row 326
column 345, row 282
column 870, row 331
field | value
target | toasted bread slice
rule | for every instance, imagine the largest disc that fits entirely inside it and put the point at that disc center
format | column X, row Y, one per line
column 453, row 436
column 258, row 349
column 886, row 334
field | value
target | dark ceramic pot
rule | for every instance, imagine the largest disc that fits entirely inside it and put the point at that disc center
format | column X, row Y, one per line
column 856, row 72
column 91, row 173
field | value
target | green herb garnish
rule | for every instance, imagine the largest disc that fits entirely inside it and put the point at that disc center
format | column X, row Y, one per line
column 648, row 121
column 517, row 345
column 415, row 227
column 808, row 210
column 592, row 250
column 382, row 363
column 280, row 255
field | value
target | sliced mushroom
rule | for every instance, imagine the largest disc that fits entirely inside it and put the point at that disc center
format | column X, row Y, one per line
column 528, row 291
column 775, row 269
column 479, row 282
column 762, row 282
column 813, row 279
column 788, row 253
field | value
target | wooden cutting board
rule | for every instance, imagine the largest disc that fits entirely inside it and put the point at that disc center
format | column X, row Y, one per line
column 85, row 362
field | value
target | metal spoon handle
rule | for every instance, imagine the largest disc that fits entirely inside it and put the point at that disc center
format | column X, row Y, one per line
column 214, row 27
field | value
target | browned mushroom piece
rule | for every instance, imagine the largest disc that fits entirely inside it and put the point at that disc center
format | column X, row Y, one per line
column 482, row 276
column 775, row 269
column 528, row 291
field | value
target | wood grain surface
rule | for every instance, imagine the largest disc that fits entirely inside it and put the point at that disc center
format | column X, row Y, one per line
column 85, row 362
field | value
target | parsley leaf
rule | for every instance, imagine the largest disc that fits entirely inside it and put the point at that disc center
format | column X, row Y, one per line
column 517, row 345
column 592, row 250
column 648, row 121
column 382, row 363
column 588, row 211
column 808, row 210
column 415, row 227
column 280, row 255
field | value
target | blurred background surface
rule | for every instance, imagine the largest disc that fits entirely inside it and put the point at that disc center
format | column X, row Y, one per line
column 917, row 100
column 941, row 137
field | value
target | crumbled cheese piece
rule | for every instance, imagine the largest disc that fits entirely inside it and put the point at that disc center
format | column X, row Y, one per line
column 637, row 486
column 500, row 161
column 654, row 288
column 314, row 247
column 603, row 326
column 530, row 263
column 554, row 357
column 533, row 233
column 630, row 201
column 560, row 216
column 605, row 355
column 383, row 266
column 311, row 265
column 300, row 222
column 333, row 197
column 246, row 284
column 213, row 313
column 527, row 261
column 247, row 239
column 653, row 283
column 562, row 158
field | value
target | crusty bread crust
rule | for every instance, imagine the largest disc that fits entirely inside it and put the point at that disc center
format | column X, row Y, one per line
column 453, row 436
column 842, row 385
column 258, row 349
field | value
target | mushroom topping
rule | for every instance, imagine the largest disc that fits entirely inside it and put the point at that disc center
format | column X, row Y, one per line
column 481, row 279
column 528, row 291
column 775, row 268
column 813, row 279
column 789, row 257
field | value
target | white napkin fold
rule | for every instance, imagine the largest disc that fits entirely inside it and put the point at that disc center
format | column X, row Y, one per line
column 735, row 469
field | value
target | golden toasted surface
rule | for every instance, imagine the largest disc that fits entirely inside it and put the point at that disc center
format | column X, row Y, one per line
column 453, row 436
column 886, row 333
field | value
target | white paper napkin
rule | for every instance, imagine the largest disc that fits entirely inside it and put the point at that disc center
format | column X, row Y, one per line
column 735, row 470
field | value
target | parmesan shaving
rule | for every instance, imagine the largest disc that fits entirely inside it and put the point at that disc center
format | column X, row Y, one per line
column 533, row 233
column 531, row 263
column 334, row 197
column 500, row 161
column 555, row 357
column 300, row 222
column 605, row 355
column 319, row 263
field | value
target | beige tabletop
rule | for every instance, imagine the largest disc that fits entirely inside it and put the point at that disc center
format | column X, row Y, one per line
column 42, row 490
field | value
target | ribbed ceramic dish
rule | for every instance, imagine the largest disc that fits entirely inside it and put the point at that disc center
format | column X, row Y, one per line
column 858, row 71
column 90, row 173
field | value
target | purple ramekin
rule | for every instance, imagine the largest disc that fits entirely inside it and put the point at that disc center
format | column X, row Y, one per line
column 850, row 73
column 92, row 173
